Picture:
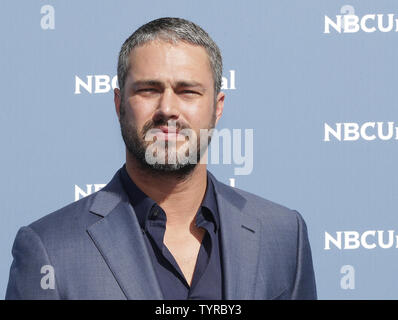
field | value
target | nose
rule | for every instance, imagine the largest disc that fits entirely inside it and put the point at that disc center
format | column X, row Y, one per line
column 167, row 106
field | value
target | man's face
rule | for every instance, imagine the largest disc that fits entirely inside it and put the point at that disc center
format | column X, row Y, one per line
column 169, row 87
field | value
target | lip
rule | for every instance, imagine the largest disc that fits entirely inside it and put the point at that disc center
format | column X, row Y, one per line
column 169, row 133
column 167, row 130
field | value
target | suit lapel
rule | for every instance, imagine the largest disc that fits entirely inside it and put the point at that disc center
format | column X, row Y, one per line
column 119, row 239
column 240, row 239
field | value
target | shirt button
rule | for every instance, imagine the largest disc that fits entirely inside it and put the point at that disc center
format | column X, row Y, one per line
column 155, row 212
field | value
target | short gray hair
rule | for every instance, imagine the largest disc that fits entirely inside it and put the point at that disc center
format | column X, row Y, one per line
column 174, row 30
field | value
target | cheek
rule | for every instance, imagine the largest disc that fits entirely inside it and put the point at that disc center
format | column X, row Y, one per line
column 200, row 114
column 140, row 110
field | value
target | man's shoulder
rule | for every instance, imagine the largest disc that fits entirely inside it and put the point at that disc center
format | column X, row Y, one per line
column 263, row 209
column 264, row 205
column 68, row 221
column 79, row 215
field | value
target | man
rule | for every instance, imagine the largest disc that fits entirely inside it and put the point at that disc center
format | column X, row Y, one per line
column 165, row 229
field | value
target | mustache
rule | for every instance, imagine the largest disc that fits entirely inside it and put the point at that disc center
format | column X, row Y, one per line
column 151, row 124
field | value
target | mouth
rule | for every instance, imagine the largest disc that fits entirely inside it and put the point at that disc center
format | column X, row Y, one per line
column 169, row 133
column 169, row 130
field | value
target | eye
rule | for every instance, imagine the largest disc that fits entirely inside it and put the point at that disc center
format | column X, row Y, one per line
column 189, row 92
column 147, row 90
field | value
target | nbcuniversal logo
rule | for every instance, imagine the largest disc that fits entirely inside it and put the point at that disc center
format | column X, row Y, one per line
column 368, row 131
column 349, row 22
column 81, row 193
column 104, row 83
column 369, row 239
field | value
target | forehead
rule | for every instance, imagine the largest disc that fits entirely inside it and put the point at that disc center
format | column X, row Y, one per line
column 163, row 60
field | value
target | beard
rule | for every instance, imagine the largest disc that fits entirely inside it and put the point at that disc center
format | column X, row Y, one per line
column 137, row 146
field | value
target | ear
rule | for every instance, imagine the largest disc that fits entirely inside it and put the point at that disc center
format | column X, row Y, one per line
column 117, row 99
column 219, row 105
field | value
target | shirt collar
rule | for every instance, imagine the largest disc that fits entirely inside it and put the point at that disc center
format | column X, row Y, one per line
column 143, row 204
column 209, row 202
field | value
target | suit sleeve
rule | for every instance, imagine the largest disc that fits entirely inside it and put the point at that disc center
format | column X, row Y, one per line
column 31, row 274
column 304, row 284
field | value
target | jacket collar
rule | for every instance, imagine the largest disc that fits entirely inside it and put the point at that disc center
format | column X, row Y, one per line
column 120, row 240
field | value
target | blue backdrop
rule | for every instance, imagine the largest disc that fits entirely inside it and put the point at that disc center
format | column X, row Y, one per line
column 315, row 80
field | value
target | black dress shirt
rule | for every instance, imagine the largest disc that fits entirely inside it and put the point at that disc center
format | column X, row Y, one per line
column 207, row 277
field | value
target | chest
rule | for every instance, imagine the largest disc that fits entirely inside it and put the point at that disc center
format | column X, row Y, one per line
column 185, row 248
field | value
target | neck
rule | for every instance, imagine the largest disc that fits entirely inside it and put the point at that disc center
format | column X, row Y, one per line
column 180, row 197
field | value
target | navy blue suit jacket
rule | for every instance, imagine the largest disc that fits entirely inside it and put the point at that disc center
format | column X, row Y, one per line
column 96, row 249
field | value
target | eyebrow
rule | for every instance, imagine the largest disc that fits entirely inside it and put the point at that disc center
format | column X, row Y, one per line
column 190, row 84
column 142, row 83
